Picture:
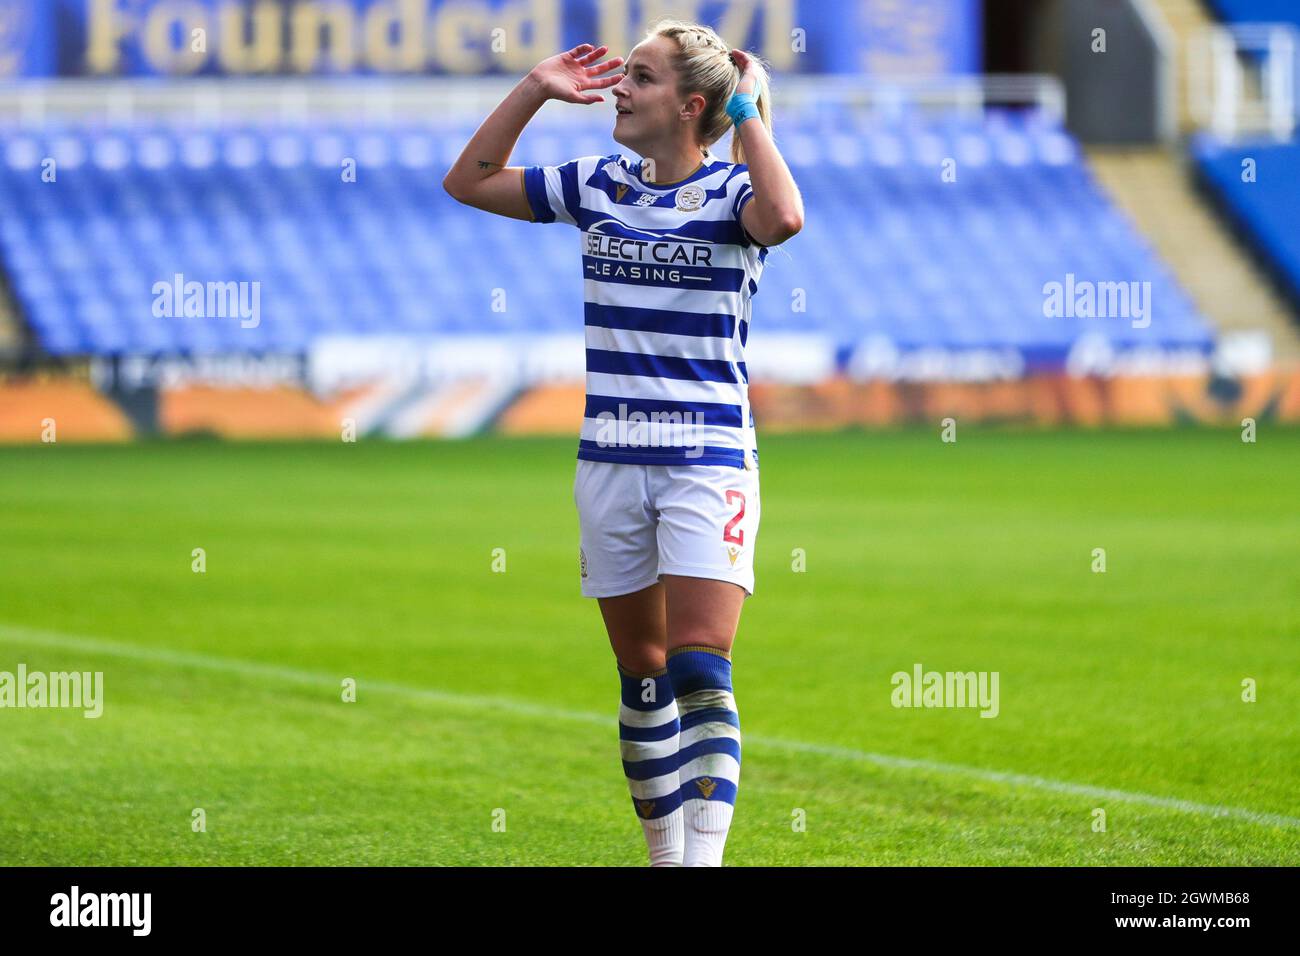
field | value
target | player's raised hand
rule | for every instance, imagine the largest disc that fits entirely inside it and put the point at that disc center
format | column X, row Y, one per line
column 570, row 75
column 749, row 75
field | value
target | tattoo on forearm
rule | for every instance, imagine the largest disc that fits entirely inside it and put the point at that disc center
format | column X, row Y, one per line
column 484, row 164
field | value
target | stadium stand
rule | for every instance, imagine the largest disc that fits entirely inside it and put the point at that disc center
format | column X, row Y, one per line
column 890, row 248
column 1257, row 11
column 1264, row 209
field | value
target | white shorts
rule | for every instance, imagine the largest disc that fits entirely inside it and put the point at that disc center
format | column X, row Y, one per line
column 637, row 522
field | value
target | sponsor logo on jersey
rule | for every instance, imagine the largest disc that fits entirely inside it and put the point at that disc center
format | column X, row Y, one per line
column 666, row 251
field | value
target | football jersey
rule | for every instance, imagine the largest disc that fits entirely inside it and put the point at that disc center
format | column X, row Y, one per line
column 668, row 277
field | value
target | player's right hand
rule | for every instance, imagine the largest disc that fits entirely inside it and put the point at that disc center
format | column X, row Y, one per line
column 568, row 76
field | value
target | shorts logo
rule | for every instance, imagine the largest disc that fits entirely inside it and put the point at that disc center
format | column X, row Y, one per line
column 706, row 787
column 733, row 553
column 582, row 562
column 690, row 198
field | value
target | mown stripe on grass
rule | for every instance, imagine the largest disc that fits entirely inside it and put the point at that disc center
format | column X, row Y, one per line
column 245, row 668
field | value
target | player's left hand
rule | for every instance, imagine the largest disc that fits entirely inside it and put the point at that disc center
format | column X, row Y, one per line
column 748, row 75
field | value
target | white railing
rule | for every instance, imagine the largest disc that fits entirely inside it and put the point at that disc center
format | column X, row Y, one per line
column 1164, row 41
column 34, row 102
column 1242, row 79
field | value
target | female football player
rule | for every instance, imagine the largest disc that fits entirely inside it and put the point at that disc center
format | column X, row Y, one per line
column 666, row 485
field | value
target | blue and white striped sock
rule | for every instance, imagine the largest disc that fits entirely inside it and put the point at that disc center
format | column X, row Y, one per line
column 709, row 754
column 647, row 733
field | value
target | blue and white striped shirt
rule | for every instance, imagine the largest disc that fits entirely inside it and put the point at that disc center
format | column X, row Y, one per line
column 668, row 275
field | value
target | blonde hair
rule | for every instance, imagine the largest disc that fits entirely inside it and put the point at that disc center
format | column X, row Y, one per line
column 704, row 65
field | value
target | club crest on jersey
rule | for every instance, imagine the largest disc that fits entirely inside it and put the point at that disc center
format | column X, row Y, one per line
column 690, row 198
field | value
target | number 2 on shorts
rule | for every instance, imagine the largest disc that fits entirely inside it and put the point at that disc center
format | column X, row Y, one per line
column 738, row 537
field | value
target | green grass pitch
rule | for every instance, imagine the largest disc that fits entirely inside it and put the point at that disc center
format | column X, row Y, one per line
column 487, row 696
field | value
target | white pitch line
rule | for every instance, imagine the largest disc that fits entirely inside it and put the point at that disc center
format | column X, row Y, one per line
column 42, row 638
